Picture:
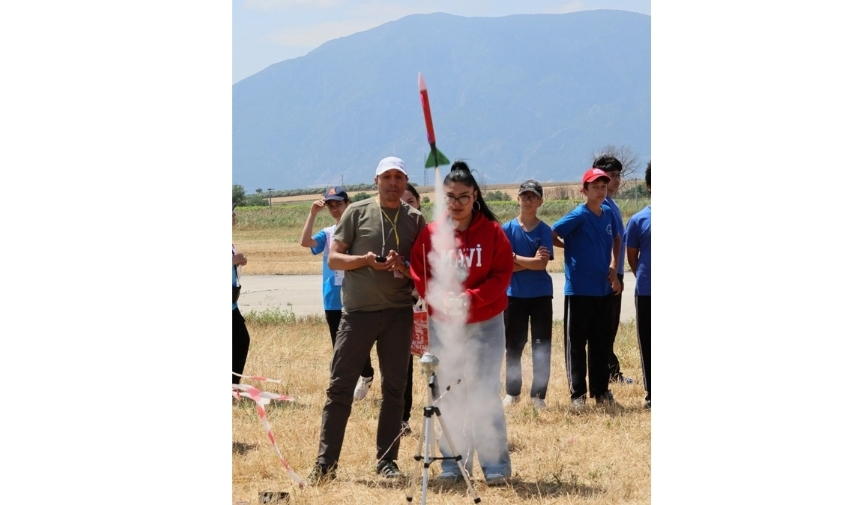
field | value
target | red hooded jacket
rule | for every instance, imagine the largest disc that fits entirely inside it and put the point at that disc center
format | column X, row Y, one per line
column 484, row 249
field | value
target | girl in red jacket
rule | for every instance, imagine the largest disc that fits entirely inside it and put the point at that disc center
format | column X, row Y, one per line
column 462, row 265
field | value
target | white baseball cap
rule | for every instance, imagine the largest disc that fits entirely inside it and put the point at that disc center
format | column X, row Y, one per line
column 391, row 162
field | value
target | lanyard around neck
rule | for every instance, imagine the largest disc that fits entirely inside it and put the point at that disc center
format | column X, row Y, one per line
column 393, row 226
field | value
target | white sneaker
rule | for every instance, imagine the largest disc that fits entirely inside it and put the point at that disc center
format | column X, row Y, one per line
column 538, row 403
column 510, row 400
column 362, row 387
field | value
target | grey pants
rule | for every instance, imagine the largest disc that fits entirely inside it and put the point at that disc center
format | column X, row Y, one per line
column 391, row 329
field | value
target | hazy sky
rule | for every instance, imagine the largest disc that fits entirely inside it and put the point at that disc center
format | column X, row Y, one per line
column 269, row 31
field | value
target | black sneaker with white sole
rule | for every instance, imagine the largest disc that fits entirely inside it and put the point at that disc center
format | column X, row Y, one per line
column 388, row 469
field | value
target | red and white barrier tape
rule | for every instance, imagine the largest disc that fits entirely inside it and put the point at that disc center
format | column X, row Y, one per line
column 262, row 398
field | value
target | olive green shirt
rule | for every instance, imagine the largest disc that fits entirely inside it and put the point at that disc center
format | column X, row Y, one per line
column 362, row 228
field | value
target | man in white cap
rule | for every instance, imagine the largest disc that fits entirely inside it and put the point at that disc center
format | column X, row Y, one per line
column 371, row 245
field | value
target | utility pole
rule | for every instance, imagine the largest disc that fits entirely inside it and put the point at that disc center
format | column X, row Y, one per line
column 270, row 197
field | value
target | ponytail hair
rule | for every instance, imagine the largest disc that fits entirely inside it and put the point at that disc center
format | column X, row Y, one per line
column 461, row 173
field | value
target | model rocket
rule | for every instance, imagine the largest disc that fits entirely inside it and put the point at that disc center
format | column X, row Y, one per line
column 436, row 158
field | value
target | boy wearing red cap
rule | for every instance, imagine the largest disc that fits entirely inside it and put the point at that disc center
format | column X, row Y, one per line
column 591, row 243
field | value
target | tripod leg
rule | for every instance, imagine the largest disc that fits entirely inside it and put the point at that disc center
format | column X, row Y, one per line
column 428, row 453
column 422, row 432
column 425, row 438
column 472, row 492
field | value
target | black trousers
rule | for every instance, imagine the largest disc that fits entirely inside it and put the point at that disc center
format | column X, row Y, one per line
column 519, row 313
column 614, row 366
column 586, row 324
column 241, row 343
column 332, row 317
column 643, row 330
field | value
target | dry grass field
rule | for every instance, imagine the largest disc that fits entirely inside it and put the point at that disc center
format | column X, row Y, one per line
column 551, row 190
column 600, row 456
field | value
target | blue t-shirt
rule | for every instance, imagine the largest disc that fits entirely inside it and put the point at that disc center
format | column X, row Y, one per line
column 529, row 283
column 331, row 279
column 639, row 236
column 620, row 223
column 235, row 281
column 587, row 250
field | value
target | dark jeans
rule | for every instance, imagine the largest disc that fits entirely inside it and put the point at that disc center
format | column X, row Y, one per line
column 643, row 330
column 332, row 317
column 391, row 329
column 586, row 323
column 614, row 366
column 241, row 343
column 519, row 313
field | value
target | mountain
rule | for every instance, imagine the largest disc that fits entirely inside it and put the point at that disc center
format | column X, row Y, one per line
column 524, row 96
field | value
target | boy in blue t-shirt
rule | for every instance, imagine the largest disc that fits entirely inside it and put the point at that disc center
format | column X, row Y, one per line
column 638, row 238
column 336, row 201
column 613, row 168
column 591, row 247
column 529, row 297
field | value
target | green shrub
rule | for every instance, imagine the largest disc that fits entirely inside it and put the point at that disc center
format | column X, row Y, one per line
column 271, row 317
column 286, row 218
column 632, row 191
column 238, row 194
column 256, row 201
column 497, row 196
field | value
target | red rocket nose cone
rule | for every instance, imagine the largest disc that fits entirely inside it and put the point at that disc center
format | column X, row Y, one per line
column 421, row 85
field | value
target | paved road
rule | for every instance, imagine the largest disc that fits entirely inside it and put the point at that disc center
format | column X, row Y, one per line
column 303, row 294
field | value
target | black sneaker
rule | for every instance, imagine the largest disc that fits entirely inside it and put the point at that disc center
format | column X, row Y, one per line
column 321, row 474
column 388, row 469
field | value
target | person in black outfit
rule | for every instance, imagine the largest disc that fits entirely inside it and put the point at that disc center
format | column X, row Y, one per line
column 241, row 338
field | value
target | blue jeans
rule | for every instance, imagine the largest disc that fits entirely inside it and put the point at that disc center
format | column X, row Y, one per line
column 472, row 409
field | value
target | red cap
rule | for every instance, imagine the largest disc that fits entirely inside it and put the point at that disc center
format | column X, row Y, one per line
column 592, row 174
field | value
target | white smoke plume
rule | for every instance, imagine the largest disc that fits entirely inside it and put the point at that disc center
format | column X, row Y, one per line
column 459, row 359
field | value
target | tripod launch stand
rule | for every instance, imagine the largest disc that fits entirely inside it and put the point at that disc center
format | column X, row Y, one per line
column 429, row 363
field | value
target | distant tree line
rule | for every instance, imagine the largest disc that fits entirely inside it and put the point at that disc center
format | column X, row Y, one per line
column 242, row 199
